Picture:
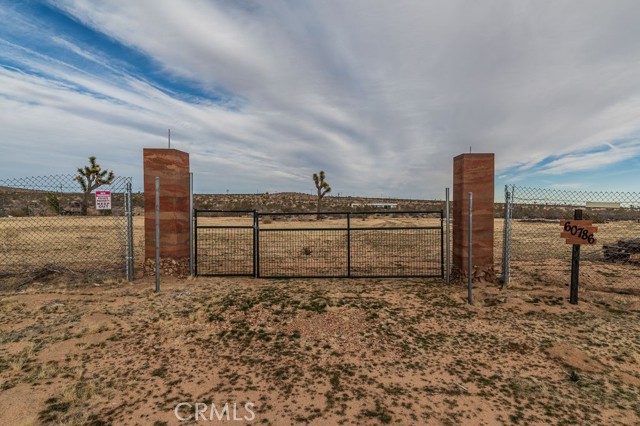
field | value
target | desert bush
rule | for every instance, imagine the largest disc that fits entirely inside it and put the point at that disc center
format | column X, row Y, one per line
column 53, row 202
column 20, row 212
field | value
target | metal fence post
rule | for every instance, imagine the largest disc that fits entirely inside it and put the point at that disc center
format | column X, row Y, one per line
column 255, row 235
column 470, row 257
column 256, row 242
column 126, row 246
column 195, row 242
column 448, row 238
column 130, row 254
column 349, row 244
column 157, row 234
column 442, row 261
column 506, row 240
column 191, row 271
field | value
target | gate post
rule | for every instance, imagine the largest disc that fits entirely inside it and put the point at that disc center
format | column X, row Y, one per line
column 473, row 173
column 255, row 244
column 130, row 261
column 506, row 243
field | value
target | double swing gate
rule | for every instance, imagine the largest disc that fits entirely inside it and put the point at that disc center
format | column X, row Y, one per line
column 319, row 245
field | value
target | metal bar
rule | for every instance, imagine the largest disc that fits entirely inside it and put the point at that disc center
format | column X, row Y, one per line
column 470, row 252
column 417, row 228
column 394, row 228
column 195, row 242
column 191, row 272
column 284, row 277
column 256, row 222
column 504, row 235
column 348, row 244
column 397, row 276
column 157, row 234
column 386, row 212
column 442, row 244
column 256, row 251
column 506, row 246
column 302, row 229
column 224, row 227
column 129, row 198
column 448, row 245
column 127, row 248
column 224, row 211
column 575, row 265
column 232, row 275
column 398, row 212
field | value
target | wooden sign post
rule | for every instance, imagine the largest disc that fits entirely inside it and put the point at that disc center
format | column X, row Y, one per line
column 577, row 232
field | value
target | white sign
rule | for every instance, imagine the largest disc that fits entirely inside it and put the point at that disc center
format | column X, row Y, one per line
column 103, row 200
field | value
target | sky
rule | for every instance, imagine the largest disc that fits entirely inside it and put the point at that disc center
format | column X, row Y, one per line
column 379, row 94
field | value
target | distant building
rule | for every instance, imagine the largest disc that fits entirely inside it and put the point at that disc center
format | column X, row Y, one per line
column 383, row 206
column 603, row 205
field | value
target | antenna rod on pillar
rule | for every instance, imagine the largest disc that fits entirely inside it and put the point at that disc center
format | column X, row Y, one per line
column 169, row 138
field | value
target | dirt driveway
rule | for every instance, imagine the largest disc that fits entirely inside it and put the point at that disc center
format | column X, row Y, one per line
column 316, row 352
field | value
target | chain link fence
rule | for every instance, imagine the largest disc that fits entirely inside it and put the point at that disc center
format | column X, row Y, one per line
column 44, row 228
column 533, row 253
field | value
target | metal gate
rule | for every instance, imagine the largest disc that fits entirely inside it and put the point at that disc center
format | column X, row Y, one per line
column 319, row 245
column 224, row 242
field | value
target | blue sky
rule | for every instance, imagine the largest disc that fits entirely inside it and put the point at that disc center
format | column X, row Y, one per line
column 381, row 95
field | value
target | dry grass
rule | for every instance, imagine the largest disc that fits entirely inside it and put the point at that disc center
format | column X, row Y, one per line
column 82, row 243
column 540, row 257
column 318, row 352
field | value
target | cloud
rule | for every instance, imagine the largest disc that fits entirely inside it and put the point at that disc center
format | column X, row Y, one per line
column 379, row 94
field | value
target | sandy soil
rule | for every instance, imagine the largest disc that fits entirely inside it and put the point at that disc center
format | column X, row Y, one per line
column 317, row 352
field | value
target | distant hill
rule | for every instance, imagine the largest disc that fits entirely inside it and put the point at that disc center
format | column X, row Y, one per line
column 24, row 202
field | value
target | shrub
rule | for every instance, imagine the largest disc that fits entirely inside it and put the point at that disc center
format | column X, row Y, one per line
column 53, row 202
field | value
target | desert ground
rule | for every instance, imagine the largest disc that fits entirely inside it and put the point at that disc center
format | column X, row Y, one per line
column 316, row 352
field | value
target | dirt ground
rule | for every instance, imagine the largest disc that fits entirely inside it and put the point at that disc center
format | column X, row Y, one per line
column 316, row 352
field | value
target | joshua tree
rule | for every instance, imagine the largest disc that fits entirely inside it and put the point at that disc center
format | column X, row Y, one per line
column 322, row 186
column 92, row 177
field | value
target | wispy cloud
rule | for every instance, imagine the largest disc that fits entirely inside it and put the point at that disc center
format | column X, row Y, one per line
column 379, row 94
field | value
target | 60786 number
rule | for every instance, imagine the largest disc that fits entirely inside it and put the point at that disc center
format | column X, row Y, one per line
column 580, row 232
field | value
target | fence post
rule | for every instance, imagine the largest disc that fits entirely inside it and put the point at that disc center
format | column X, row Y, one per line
column 157, row 234
column 130, row 251
column 195, row 242
column 191, row 271
column 470, row 257
column 506, row 239
column 448, row 237
column 126, row 245
column 442, row 261
column 255, row 237
column 575, row 265
column 349, row 244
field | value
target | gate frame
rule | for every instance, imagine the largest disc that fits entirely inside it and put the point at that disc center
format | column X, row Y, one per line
column 195, row 239
column 444, row 268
